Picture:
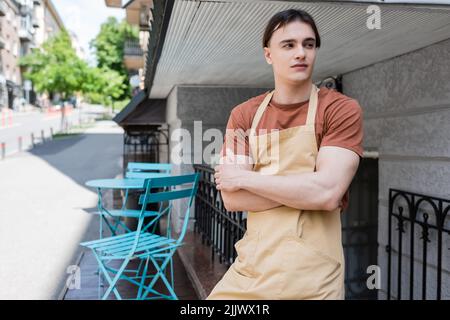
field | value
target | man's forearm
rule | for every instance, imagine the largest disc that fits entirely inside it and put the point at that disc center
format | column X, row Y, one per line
column 244, row 200
column 307, row 191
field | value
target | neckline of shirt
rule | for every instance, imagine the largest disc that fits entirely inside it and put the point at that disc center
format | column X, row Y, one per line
column 289, row 106
column 295, row 105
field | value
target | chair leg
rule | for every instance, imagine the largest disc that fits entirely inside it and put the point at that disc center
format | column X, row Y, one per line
column 168, row 285
column 171, row 273
column 160, row 274
column 144, row 273
column 112, row 282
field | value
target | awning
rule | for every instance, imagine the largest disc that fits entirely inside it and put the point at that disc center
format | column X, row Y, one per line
column 218, row 42
column 142, row 111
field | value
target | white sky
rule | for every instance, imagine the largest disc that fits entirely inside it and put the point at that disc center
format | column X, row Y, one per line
column 84, row 18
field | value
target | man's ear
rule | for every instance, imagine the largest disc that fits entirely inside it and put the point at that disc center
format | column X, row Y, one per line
column 267, row 55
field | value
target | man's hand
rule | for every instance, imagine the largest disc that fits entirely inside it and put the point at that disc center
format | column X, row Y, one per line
column 228, row 177
column 232, row 169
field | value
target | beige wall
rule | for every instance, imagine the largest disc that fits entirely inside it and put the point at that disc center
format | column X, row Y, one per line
column 51, row 23
column 10, row 54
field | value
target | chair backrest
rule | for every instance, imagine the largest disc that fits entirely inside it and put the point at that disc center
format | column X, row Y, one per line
column 173, row 188
column 144, row 170
column 145, row 174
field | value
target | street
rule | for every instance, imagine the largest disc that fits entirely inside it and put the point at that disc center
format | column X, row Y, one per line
column 23, row 125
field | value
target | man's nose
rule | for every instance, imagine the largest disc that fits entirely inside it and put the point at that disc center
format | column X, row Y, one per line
column 300, row 52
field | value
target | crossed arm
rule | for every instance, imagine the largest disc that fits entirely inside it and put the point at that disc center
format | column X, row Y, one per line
column 245, row 190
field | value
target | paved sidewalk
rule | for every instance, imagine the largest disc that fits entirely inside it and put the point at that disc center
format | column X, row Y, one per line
column 43, row 209
column 89, row 281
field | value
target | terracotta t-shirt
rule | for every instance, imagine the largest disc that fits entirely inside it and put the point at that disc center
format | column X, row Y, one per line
column 338, row 122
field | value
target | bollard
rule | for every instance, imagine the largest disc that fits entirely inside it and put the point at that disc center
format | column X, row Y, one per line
column 42, row 136
column 20, row 143
column 32, row 139
column 51, row 133
column 3, row 146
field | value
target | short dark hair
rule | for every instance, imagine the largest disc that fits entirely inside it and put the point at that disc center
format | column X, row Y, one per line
column 282, row 18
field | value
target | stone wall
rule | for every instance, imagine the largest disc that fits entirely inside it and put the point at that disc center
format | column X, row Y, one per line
column 406, row 107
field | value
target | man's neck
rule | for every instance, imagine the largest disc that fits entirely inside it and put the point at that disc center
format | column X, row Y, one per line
column 290, row 94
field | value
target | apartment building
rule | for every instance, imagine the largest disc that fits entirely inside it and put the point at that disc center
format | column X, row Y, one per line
column 24, row 25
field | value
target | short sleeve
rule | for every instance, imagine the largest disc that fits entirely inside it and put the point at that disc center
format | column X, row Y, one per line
column 343, row 126
column 236, row 135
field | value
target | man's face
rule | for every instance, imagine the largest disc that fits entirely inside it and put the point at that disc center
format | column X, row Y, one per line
column 293, row 44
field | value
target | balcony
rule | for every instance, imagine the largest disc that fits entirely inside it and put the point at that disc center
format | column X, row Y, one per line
column 145, row 18
column 2, row 8
column 25, row 35
column 113, row 3
column 25, row 30
column 133, row 55
column 139, row 13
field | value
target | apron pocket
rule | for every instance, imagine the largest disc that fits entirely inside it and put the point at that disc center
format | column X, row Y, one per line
column 246, row 251
column 308, row 273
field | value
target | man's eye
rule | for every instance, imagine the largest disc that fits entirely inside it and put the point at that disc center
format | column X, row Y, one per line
column 310, row 45
column 289, row 45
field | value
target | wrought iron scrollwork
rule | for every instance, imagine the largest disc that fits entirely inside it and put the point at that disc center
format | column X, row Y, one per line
column 432, row 224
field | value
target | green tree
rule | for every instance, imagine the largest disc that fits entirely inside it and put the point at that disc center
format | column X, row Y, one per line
column 109, row 48
column 55, row 68
column 103, row 85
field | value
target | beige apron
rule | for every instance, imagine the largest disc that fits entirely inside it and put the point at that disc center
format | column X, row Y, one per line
column 286, row 253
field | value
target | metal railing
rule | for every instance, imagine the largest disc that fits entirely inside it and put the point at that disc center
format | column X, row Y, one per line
column 219, row 228
column 420, row 230
column 133, row 48
column 144, row 146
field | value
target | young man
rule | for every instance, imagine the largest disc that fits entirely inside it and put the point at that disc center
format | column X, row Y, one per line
column 301, row 153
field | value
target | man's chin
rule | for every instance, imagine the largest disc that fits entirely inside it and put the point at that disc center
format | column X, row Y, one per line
column 300, row 79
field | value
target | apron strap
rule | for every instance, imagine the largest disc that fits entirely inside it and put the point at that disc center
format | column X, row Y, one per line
column 262, row 107
column 312, row 106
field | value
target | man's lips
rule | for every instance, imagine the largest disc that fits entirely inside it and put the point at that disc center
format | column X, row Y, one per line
column 300, row 65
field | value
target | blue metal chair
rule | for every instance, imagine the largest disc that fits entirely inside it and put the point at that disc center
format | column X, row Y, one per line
column 135, row 170
column 113, row 218
column 144, row 245
column 143, row 169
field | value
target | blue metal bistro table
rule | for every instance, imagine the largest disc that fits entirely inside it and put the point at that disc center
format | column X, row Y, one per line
column 125, row 184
